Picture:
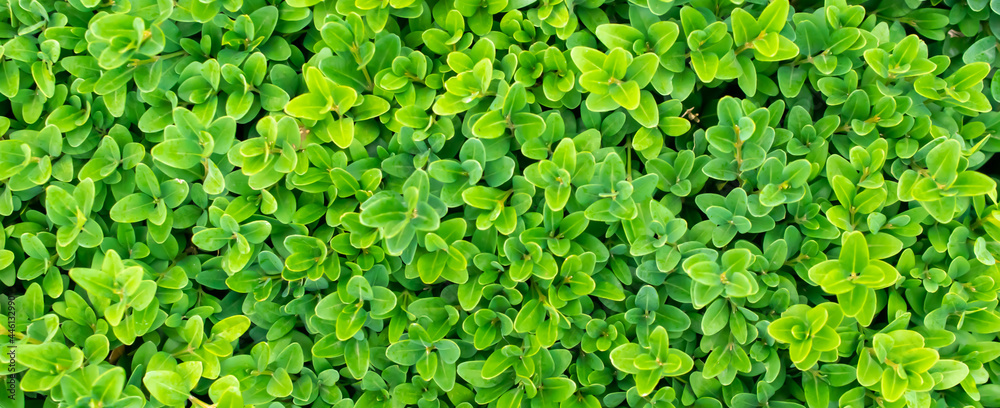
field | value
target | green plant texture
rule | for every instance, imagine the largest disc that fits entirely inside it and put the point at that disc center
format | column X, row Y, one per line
column 500, row 203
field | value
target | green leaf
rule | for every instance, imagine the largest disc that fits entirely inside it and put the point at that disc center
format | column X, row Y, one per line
column 133, row 208
column 490, row 126
column 948, row 373
column 406, row 352
column 969, row 75
column 178, row 153
column 350, row 321
column 312, row 106
column 774, row 16
column 942, row 161
column 705, row 65
column 626, row 94
column 167, row 387
column 497, row 363
column 745, row 27
column 618, row 36
column 280, row 385
column 983, row 321
column 854, row 253
column 646, row 113
column 231, row 328
column 971, row 184
column 893, row 386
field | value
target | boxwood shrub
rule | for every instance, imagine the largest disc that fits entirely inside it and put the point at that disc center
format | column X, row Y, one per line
column 500, row 203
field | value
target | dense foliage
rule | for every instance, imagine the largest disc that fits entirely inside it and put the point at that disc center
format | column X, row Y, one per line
column 502, row 203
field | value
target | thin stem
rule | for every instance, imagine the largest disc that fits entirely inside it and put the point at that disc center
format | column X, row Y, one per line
column 364, row 69
column 5, row 332
column 199, row 402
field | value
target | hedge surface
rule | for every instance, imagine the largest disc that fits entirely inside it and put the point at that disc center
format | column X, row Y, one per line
column 501, row 203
